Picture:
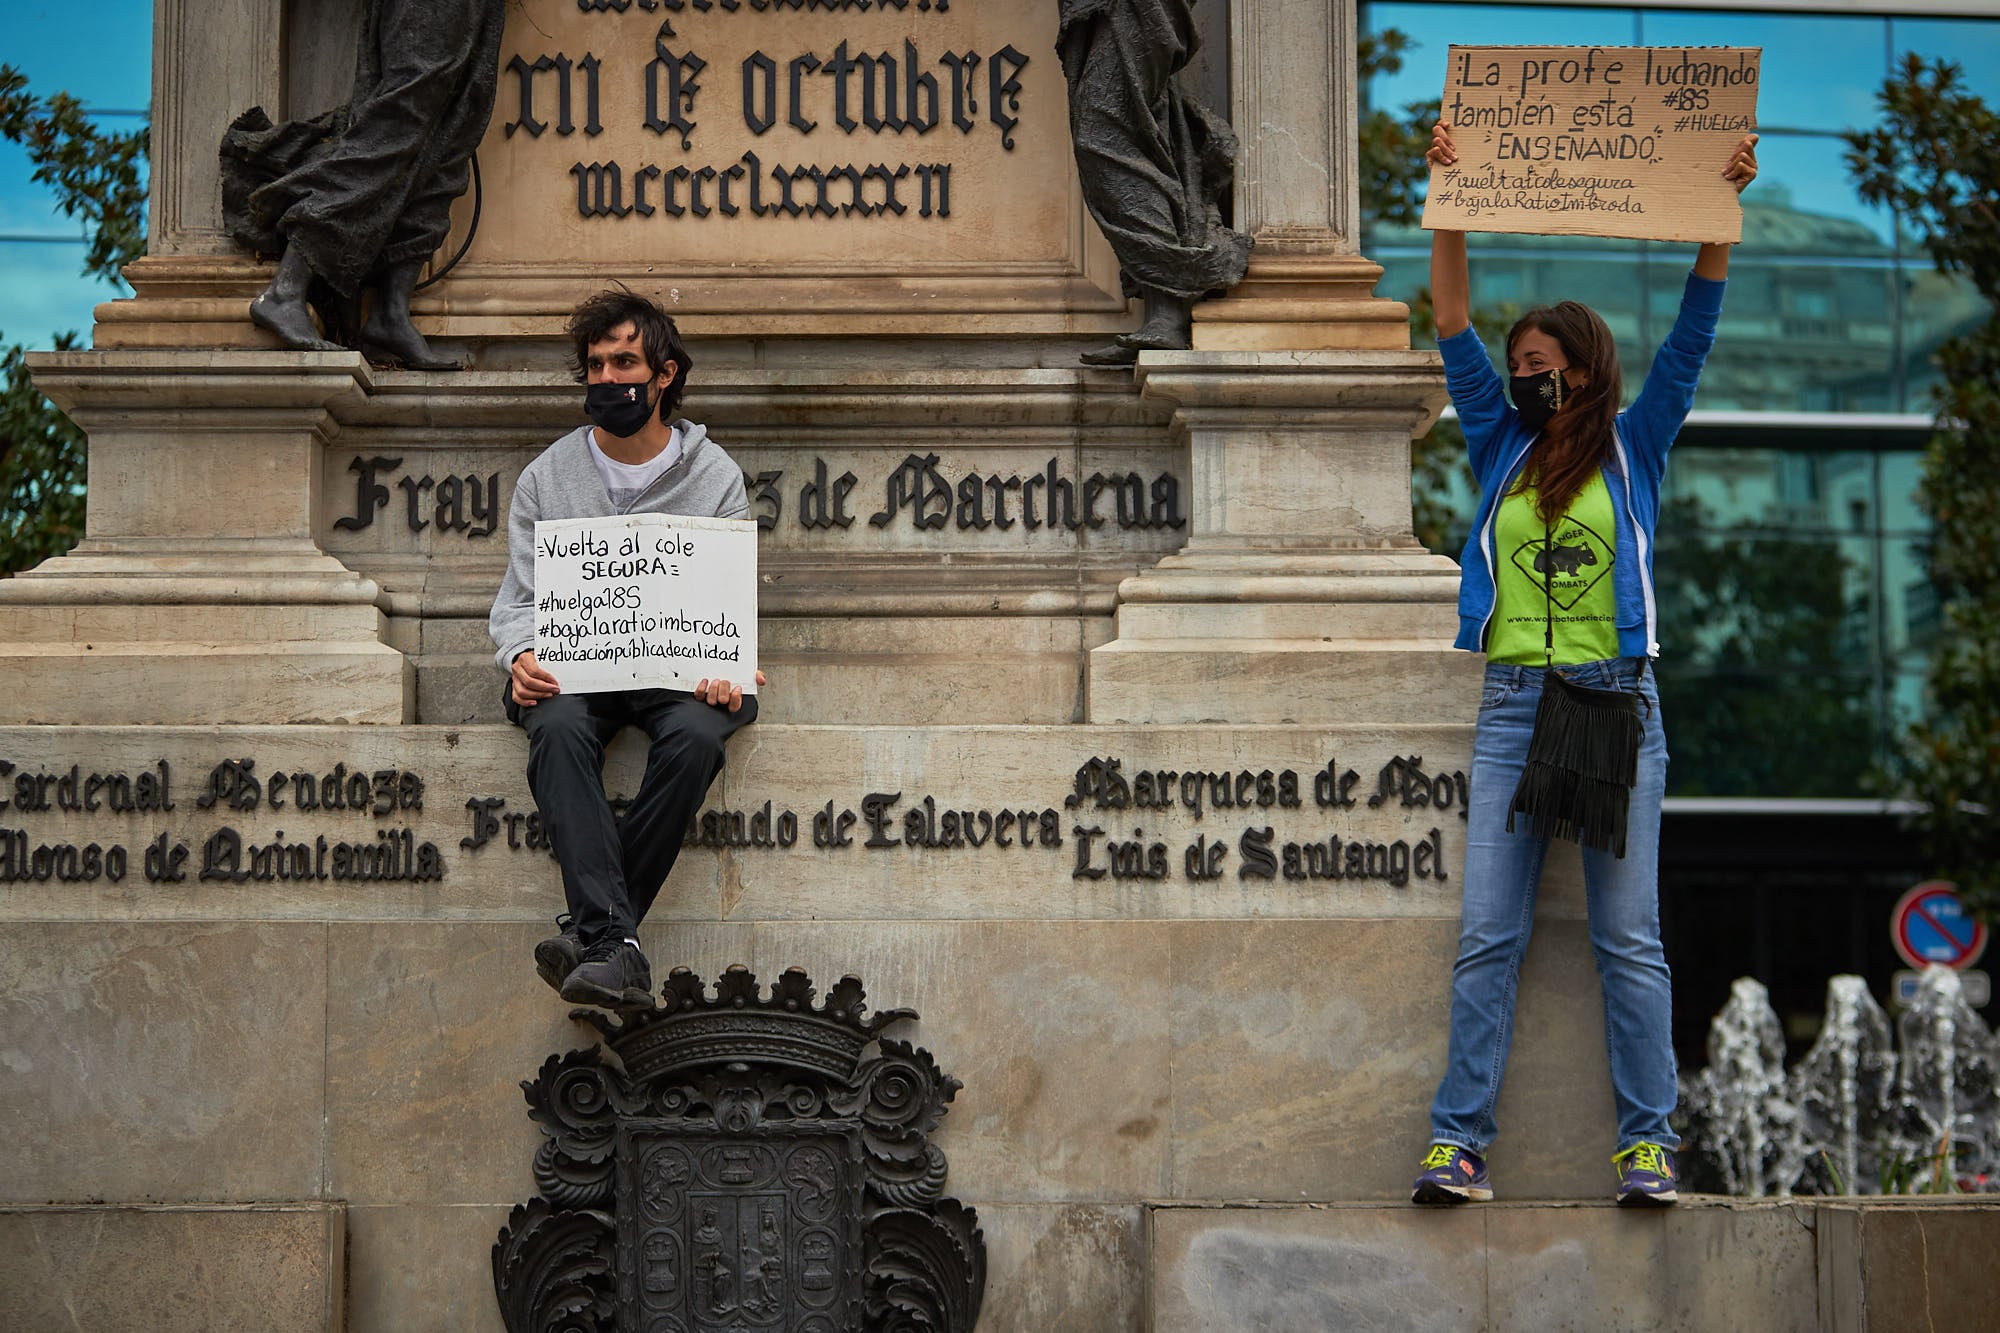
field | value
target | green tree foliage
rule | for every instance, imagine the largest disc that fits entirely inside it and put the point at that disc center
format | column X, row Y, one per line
column 97, row 179
column 1749, row 610
column 1392, row 143
column 1935, row 158
column 41, row 469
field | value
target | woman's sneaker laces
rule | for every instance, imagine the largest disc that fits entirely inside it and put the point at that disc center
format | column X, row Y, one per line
column 1452, row 1175
column 1646, row 1175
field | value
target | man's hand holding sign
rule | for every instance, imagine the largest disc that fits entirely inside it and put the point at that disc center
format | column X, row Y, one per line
column 645, row 601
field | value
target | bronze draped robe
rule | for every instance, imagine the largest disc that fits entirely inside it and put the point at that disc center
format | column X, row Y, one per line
column 369, row 185
column 1155, row 164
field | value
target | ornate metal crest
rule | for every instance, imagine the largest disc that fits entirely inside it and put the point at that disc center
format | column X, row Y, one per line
column 739, row 1163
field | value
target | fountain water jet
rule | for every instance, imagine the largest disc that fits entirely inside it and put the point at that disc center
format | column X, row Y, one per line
column 1857, row 1114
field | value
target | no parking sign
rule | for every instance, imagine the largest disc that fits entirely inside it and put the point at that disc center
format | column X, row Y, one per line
column 1931, row 925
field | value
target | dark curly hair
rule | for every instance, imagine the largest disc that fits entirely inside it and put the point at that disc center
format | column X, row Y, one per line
column 600, row 315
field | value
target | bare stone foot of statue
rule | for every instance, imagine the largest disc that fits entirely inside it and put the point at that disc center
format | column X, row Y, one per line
column 1168, row 327
column 389, row 338
column 281, row 307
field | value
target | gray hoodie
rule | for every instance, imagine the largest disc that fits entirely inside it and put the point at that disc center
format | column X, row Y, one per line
column 563, row 482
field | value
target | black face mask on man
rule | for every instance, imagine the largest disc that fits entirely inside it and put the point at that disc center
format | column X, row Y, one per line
column 622, row 409
column 1537, row 397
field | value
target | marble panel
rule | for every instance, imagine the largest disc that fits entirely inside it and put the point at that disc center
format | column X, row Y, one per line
column 1305, row 1056
column 1067, row 1266
column 162, row 1061
column 419, row 1268
column 1176, row 682
column 1298, row 1270
column 114, row 1267
column 1706, row 1265
column 1926, row 1262
column 1058, row 1031
column 430, row 1030
column 78, row 684
column 456, row 689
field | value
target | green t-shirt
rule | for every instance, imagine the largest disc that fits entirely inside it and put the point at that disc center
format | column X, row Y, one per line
column 1575, row 567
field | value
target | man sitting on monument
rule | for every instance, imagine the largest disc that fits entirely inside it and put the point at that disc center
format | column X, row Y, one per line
column 636, row 459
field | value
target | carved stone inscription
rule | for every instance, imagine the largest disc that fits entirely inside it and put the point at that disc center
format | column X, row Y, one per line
column 697, row 124
column 922, row 493
column 256, row 819
column 347, row 825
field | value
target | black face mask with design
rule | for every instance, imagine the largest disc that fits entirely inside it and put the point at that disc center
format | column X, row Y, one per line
column 622, row 409
column 1536, row 397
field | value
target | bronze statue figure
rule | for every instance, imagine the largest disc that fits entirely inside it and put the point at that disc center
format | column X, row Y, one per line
column 1155, row 164
column 360, row 197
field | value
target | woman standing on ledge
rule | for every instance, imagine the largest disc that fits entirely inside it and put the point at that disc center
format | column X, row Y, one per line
column 1558, row 579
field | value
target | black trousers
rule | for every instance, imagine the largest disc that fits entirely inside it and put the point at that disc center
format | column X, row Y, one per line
column 614, row 865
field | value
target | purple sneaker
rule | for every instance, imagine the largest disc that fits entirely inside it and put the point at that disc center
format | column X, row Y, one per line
column 1452, row 1175
column 1646, row 1176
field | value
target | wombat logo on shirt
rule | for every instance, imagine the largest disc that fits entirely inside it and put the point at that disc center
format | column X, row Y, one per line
column 1569, row 565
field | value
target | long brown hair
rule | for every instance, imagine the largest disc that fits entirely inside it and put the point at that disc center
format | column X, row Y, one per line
column 1577, row 439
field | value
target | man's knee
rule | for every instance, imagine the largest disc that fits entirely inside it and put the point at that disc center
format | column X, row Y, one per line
column 561, row 724
column 695, row 737
column 695, row 747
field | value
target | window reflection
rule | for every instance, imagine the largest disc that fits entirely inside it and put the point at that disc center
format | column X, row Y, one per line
column 1821, row 72
column 1804, row 338
column 1767, row 677
column 1435, row 28
column 1901, row 473
column 1972, row 44
column 1734, row 731
column 1804, row 201
column 1937, row 308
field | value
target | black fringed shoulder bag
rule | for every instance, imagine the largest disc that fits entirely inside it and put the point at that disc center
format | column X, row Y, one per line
column 1583, row 757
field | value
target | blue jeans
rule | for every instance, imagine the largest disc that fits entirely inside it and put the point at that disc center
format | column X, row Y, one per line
column 1502, row 873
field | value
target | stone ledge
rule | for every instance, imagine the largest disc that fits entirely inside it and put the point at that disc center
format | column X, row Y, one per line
column 1709, row 1263
column 170, row 1267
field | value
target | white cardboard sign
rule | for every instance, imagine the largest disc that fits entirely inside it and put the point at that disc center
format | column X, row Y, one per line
column 646, row 601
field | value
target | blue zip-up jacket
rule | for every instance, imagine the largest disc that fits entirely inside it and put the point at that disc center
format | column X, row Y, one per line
column 1496, row 442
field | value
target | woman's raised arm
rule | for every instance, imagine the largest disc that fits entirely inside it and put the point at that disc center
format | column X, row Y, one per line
column 1451, row 288
column 1712, row 261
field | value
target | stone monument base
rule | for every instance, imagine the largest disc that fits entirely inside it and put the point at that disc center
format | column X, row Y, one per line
column 1157, row 991
column 1709, row 1263
column 1843, row 1265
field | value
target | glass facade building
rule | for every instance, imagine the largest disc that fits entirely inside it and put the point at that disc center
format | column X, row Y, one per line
column 1796, row 614
column 105, row 63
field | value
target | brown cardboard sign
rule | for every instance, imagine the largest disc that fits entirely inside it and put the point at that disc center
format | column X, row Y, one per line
column 1624, row 141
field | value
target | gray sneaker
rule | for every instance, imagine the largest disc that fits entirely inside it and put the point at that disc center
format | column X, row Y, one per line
column 612, row 975
column 557, row 956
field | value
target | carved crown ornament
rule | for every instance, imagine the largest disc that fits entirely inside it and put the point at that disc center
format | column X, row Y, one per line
column 740, row 1162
